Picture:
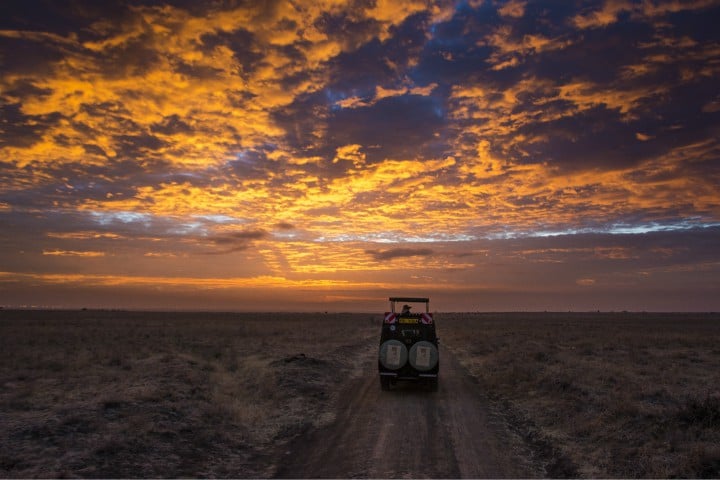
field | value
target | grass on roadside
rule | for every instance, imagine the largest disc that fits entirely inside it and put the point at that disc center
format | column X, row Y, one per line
column 619, row 395
column 134, row 394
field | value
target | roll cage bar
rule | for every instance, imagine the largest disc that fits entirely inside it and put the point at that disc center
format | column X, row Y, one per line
column 394, row 300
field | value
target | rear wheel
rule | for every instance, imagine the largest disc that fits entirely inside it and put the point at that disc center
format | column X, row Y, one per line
column 385, row 383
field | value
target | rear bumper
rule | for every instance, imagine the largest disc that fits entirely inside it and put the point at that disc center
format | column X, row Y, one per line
column 411, row 375
column 407, row 370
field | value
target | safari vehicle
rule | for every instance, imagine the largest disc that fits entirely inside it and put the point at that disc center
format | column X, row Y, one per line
column 408, row 344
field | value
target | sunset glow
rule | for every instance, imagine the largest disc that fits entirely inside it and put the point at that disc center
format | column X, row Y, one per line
column 324, row 155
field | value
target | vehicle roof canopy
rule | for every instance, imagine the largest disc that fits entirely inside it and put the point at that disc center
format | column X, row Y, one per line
column 424, row 300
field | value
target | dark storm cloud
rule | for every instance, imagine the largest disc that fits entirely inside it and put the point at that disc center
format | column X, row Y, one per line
column 358, row 72
column 70, row 31
column 58, row 18
column 406, row 42
column 394, row 253
column 33, row 234
column 236, row 241
column 393, row 127
column 637, row 251
column 115, row 111
column 543, row 47
column 248, row 164
column 654, row 111
column 198, row 72
column 19, row 130
column 577, row 270
column 170, row 125
column 33, row 53
column 80, row 184
column 398, row 127
column 351, row 26
column 299, row 120
column 247, row 49
column 138, row 146
column 117, row 232
column 582, row 141
column 243, row 236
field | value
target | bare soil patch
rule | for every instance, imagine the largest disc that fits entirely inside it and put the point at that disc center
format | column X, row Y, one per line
column 607, row 395
column 132, row 394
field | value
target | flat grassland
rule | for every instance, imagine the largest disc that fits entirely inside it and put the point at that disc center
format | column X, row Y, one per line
column 615, row 395
column 136, row 394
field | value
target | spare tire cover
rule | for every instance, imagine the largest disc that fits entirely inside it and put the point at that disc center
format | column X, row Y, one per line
column 423, row 356
column 393, row 354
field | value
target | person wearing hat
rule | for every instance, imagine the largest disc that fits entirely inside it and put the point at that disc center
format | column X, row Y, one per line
column 405, row 310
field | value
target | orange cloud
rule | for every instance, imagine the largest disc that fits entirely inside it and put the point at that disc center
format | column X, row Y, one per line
column 611, row 10
column 260, row 282
column 219, row 120
column 382, row 93
column 513, row 9
column 606, row 15
column 83, row 235
column 73, row 253
column 351, row 153
column 510, row 52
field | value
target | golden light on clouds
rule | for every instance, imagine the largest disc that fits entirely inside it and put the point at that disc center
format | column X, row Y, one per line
column 99, row 280
column 391, row 145
column 73, row 253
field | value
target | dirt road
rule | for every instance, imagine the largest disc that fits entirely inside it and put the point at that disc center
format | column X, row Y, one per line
column 410, row 432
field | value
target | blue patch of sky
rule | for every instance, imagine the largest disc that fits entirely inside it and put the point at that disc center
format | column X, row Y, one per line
column 252, row 156
column 195, row 224
column 451, row 55
column 334, row 96
column 219, row 218
column 613, row 229
column 285, row 235
column 108, row 218
column 188, row 228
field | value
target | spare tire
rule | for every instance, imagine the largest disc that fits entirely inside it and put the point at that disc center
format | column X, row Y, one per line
column 423, row 356
column 393, row 354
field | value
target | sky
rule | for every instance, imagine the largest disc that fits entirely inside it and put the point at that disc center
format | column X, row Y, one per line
column 325, row 155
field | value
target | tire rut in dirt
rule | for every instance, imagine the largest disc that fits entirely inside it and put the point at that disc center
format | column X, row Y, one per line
column 408, row 432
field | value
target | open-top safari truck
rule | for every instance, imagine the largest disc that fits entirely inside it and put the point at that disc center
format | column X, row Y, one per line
column 408, row 344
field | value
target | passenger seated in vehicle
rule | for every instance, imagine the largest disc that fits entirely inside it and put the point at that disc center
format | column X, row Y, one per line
column 405, row 310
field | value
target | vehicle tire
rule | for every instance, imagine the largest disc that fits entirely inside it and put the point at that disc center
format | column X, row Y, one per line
column 423, row 356
column 393, row 354
column 385, row 383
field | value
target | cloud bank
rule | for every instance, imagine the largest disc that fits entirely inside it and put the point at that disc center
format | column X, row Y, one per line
column 364, row 146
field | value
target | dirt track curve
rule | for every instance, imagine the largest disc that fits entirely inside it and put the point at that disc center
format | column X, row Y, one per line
column 410, row 432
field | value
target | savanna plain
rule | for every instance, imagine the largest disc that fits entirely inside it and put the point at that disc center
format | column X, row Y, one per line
column 185, row 394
